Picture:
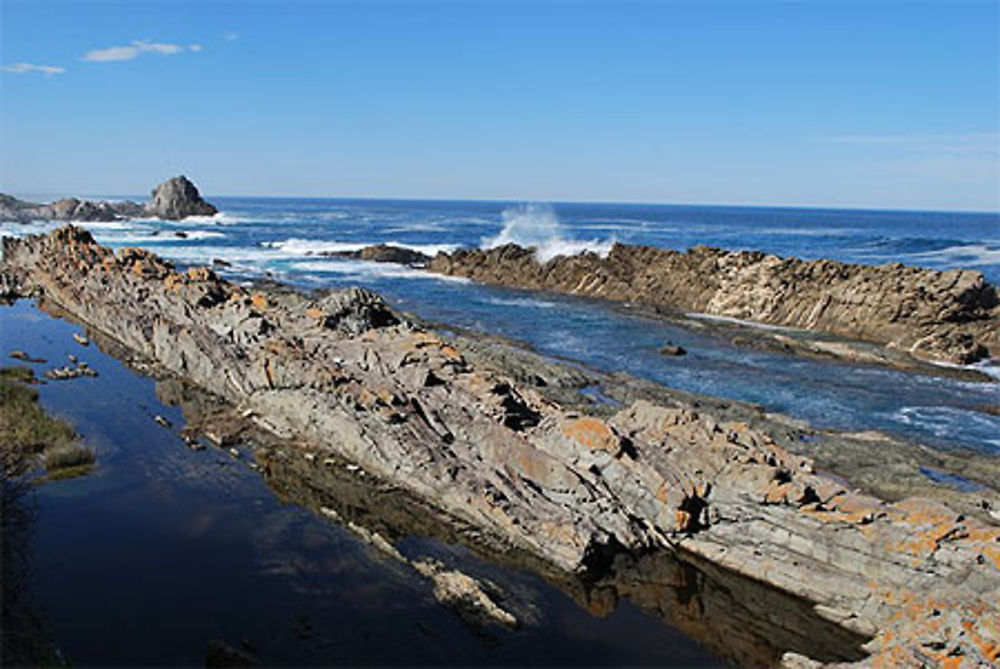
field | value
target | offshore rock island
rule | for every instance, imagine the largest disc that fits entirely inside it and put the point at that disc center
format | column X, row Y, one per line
column 916, row 579
column 174, row 199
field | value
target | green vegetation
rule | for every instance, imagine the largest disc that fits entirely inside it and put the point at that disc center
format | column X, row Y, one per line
column 27, row 430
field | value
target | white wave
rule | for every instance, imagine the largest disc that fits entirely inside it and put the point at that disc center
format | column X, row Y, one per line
column 943, row 421
column 537, row 226
column 155, row 236
column 805, row 232
column 11, row 229
column 221, row 218
column 741, row 321
column 205, row 254
column 520, row 302
column 295, row 247
column 990, row 367
column 971, row 254
column 306, row 247
column 365, row 270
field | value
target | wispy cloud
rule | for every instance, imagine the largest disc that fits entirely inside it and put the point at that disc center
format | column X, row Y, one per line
column 135, row 49
column 944, row 143
column 24, row 68
column 231, row 37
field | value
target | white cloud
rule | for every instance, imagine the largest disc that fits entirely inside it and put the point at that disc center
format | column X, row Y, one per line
column 135, row 49
column 231, row 37
column 23, row 68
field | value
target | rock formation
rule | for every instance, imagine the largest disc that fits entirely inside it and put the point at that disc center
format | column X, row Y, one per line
column 951, row 316
column 345, row 373
column 69, row 209
column 174, row 199
column 178, row 198
column 386, row 253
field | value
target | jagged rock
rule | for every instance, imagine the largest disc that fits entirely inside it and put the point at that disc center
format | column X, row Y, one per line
column 951, row 316
column 347, row 375
column 178, row 198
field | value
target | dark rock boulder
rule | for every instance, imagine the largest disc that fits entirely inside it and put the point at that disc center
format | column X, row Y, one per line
column 178, row 198
column 384, row 253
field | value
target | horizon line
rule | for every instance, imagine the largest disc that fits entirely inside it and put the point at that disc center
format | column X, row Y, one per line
column 554, row 201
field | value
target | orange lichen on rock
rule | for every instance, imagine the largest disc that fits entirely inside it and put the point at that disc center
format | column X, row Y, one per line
column 593, row 433
column 259, row 301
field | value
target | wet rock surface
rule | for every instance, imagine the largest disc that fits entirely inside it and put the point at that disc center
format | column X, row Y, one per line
column 950, row 316
column 343, row 372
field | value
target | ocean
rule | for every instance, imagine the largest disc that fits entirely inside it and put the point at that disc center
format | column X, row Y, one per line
column 281, row 238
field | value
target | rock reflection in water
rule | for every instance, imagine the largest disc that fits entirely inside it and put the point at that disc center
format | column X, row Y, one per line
column 739, row 619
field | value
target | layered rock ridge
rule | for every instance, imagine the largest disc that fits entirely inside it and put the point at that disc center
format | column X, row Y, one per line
column 344, row 372
column 949, row 316
column 174, row 199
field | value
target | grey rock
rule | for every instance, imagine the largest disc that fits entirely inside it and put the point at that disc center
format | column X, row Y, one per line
column 178, row 198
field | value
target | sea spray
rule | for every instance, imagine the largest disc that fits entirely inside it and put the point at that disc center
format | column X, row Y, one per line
column 537, row 226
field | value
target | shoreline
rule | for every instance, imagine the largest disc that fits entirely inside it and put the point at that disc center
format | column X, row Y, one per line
column 536, row 442
column 734, row 618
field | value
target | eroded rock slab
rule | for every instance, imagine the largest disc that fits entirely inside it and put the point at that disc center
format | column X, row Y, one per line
column 343, row 371
column 950, row 316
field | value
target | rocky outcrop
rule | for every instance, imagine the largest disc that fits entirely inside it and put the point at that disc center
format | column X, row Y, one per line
column 950, row 316
column 178, row 198
column 387, row 253
column 174, row 199
column 69, row 209
column 345, row 373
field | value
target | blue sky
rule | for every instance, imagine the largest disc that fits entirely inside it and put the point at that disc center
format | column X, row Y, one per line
column 888, row 105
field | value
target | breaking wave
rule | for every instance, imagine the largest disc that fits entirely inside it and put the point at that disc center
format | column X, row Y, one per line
column 970, row 254
column 305, row 247
column 365, row 270
column 537, row 226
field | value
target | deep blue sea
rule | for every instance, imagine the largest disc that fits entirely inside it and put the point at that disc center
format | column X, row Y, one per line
column 281, row 237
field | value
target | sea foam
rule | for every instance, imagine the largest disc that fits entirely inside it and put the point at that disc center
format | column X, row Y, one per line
column 306, row 247
column 537, row 226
